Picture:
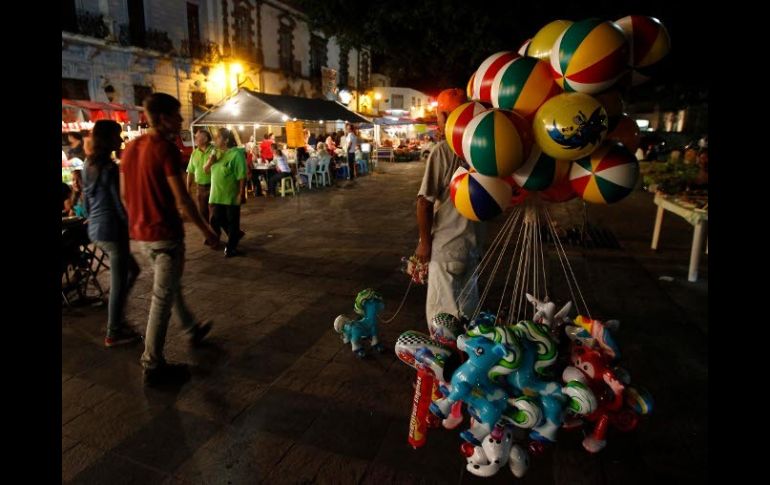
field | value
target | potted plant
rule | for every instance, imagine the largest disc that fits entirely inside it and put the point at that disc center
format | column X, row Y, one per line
column 671, row 177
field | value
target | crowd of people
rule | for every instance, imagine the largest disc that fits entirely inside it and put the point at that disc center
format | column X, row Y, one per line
column 140, row 198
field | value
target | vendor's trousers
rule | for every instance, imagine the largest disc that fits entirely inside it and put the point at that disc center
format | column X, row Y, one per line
column 449, row 282
column 203, row 201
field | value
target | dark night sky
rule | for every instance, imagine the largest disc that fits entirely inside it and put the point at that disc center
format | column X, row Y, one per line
column 511, row 23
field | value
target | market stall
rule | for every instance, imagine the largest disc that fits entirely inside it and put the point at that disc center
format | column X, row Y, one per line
column 249, row 113
column 404, row 136
column 80, row 115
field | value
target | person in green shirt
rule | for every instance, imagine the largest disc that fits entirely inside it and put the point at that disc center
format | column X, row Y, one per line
column 196, row 175
column 228, row 173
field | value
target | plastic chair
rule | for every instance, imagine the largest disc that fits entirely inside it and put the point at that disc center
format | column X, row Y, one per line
column 310, row 172
column 322, row 172
column 287, row 186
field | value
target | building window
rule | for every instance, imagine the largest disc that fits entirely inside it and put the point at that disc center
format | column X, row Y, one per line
column 198, row 98
column 74, row 89
column 243, row 30
column 136, row 27
column 286, row 44
column 397, row 101
column 193, row 30
column 141, row 92
column 344, row 51
column 317, row 55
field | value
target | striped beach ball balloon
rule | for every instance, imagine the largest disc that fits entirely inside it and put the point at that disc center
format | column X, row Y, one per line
column 524, row 47
column 469, row 87
column 613, row 105
column 542, row 42
column 626, row 132
column 606, row 176
column 540, row 171
column 518, row 195
column 570, row 126
column 523, row 85
column 478, row 197
column 481, row 87
column 649, row 43
column 560, row 191
column 456, row 122
column 492, row 143
column 589, row 56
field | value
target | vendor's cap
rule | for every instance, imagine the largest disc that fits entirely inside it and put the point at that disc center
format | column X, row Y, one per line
column 449, row 99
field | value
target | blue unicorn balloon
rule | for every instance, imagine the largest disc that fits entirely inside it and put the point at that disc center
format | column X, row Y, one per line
column 369, row 304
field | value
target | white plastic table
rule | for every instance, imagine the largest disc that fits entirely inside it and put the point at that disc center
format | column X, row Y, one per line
column 698, row 218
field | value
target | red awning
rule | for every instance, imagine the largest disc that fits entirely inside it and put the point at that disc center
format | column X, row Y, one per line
column 98, row 111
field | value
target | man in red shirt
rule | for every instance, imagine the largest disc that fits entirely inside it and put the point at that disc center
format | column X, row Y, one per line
column 152, row 187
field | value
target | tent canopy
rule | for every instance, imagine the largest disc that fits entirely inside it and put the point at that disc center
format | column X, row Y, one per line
column 247, row 106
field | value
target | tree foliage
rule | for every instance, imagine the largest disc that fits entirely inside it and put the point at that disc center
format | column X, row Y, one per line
column 434, row 44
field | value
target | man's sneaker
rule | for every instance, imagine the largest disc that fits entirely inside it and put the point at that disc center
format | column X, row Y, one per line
column 166, row 374
column 199, row 332
column 125, row 335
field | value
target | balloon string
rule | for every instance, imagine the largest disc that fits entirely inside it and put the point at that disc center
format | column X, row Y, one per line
column 403, row 300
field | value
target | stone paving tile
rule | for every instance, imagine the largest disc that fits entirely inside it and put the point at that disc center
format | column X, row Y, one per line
column 351, row 431
column 282, row 412
column 79, row 395
column 77, row 458
column 112, row 421
column 310, row 465
column 67, row 443
column 70, row 412
column 167, row 440
column 120, row 373
column 221, row 397
column 377, row 473
column 117, row 470
column 261, row 363
column 77, row 358
column 301, row 374
column 438, row 460
column 234, row 456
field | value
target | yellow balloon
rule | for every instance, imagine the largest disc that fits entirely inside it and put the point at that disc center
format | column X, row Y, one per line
column 543, row 41
column 570, row 126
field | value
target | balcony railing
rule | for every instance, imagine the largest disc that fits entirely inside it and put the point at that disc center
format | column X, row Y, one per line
column 157, row 40
column 205, row 51
column 91, row 24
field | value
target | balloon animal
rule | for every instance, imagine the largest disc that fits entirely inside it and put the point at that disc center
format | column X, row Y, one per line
column 369, row 305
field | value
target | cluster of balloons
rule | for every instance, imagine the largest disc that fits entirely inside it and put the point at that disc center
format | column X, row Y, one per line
column 506, row 376
column 549, row 118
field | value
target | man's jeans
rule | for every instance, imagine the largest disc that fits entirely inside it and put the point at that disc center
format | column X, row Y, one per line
column 167, row 259
column 123, row 273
